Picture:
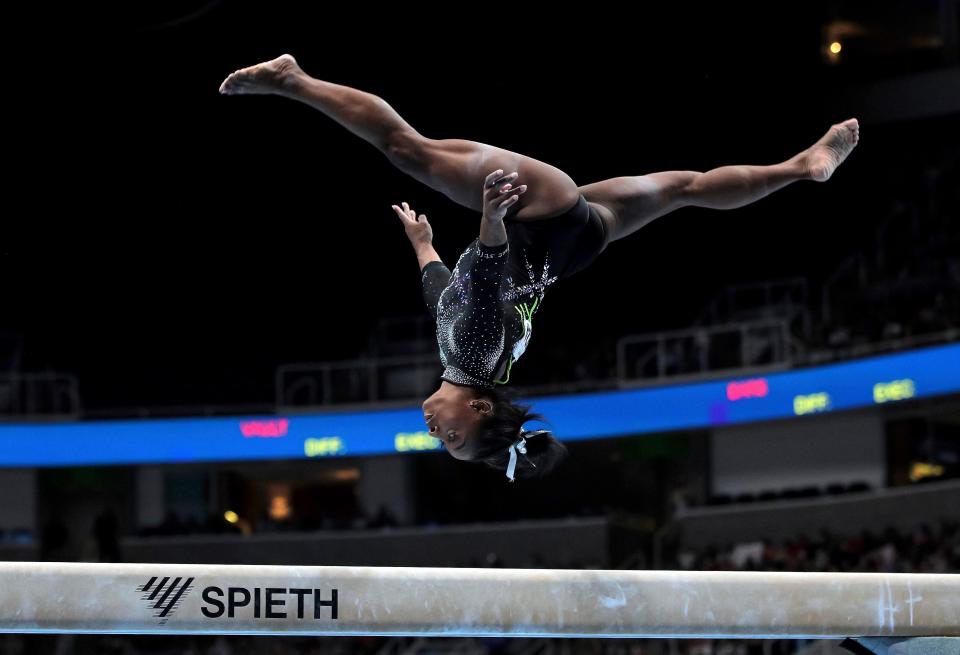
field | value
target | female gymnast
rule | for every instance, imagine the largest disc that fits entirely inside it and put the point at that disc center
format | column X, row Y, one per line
column 537, row 227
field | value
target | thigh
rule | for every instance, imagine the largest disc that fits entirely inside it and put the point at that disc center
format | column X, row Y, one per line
column 626, row 204
column 457, row 168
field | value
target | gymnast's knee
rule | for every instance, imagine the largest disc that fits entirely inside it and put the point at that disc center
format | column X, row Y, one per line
column 682, row 190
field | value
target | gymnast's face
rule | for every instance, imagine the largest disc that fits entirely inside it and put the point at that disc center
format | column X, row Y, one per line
column 453, row 414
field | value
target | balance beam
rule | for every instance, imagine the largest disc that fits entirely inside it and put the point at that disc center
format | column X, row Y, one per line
column 49, row 597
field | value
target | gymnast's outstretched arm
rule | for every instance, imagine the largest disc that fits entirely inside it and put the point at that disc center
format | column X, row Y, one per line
column 420, row 234
column 434, row 275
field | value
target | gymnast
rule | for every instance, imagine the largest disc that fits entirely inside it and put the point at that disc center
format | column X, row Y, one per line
column 537, row 227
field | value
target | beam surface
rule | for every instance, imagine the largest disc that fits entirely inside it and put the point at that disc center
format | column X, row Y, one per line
column 306, row 600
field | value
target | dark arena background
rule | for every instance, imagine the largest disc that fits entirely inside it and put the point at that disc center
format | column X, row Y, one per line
column 214, row 348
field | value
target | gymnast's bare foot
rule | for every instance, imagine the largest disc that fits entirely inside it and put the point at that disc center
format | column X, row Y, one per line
column 822, row 158
column 269, row 77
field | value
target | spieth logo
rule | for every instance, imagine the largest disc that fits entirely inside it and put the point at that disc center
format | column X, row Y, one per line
column 163, row 595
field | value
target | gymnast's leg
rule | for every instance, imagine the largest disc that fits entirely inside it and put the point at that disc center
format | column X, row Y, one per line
column 628, row 203
column 454, row 167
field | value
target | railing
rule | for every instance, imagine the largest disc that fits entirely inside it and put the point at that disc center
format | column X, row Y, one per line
column 39, row 394
column 403, row 335
column 694, row 353
column 854, row 267
column 703, row 350
column 356, row 381
column 758, row 344
column 766, row 297
column 868, row 349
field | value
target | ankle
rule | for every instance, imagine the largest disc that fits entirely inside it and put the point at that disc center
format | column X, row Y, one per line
column 293, row 83
column 798, row 166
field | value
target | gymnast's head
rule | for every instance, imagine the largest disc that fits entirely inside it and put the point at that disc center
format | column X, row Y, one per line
column 486, row 425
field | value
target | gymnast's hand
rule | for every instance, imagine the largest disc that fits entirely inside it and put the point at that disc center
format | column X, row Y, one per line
column 499, row 194
column 418, row 229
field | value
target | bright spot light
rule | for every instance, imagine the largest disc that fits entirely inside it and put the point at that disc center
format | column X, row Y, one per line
column 835, row 47
column 231, row 516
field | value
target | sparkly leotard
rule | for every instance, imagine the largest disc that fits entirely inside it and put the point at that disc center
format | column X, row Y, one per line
column 484, row 309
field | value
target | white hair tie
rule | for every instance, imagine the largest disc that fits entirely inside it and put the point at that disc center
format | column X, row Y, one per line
column 520, row 448
column 515, row 449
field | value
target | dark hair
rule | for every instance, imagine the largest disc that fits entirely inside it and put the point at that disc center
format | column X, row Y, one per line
column 499, row 432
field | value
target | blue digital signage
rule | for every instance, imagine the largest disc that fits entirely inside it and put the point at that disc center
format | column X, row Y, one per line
column 798, row 393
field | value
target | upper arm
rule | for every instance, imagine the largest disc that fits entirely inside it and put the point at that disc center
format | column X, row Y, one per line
column 434, row 278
